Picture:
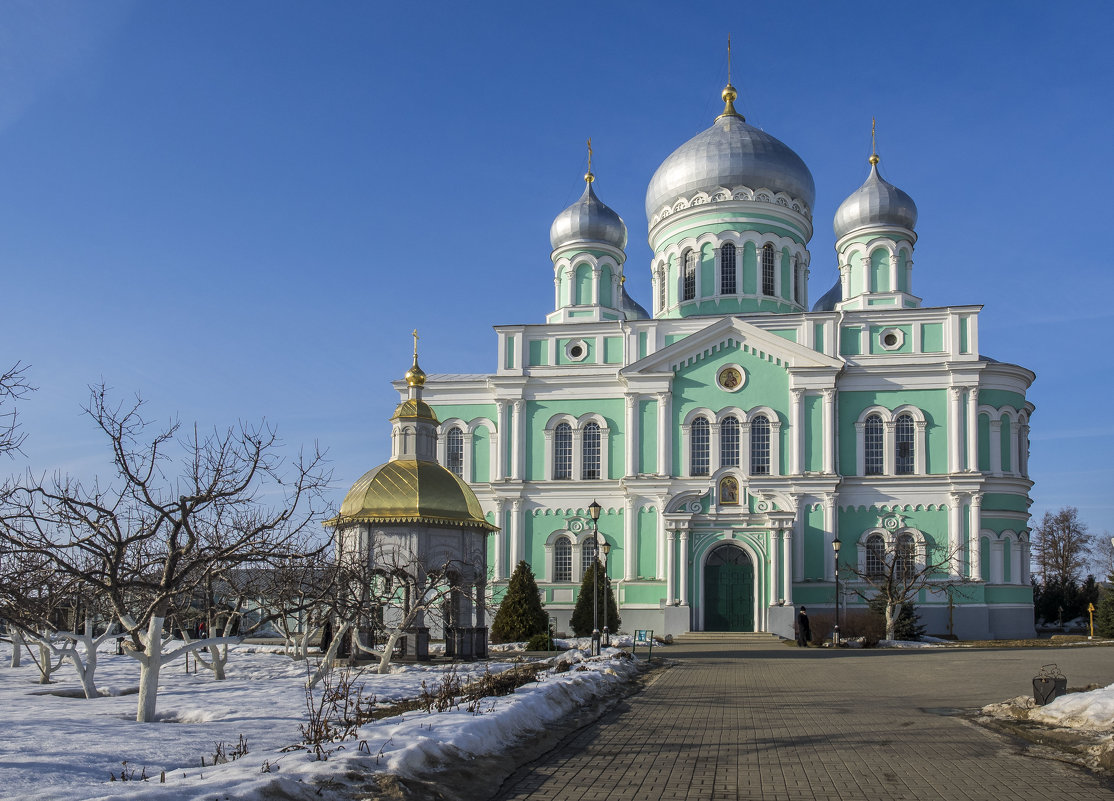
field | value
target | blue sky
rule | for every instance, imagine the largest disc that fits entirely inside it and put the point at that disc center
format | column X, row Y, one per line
column 240, row 210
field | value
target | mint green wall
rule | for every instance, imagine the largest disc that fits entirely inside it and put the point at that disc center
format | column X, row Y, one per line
column 509, row 356
column 880, row 271
column 694, row 386
column 481, row 454
column 1007, row 561
column 998, row 398
column 707, row 271
column 818, row 338
column 984, row 555
column 856, row 280
column 645, row 593
column 1007, row 439
column 785, row 333
column 963, row 346
column 605, row 286
column 750, row 269
column 786, row 274
column 850, row 340
column 815, row 549
column 903, row 272
column 715, row 223
column 538, row 414
column 933, row 522
column 934, row 404
column 999, row 524
column 647, row 543
column 814, row 432
column 583, row 285
column 1004, row 502
column 465, row 411
column 613, row 350
column 876, row 339
column 563, row 359
column 1017, row 594
column 539, row 352
column 984, row 442
column 648, row 439
column 932, row 337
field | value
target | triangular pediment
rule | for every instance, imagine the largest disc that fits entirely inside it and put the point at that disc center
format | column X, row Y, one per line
column 731, row 332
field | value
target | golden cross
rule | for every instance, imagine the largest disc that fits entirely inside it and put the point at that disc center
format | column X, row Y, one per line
column 415, row 335
column 729, row 58
column 589, row 154
column 873, row 144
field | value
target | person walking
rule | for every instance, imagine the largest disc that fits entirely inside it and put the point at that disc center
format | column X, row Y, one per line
column 804, row 631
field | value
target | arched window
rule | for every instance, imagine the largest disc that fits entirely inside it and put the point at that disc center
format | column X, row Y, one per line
column 454, row 451
column 727, row 269
column 700, row 451
column 661, row 290
column 905, row 556
column 767, row 269
column 562, row 559
column 905, row 445
column 587, row 554
column 729, row 442
column 760, row 446
column 875, row 556
column 590, row 451
column 688, row 292
column 874, row 445
column 562, row 451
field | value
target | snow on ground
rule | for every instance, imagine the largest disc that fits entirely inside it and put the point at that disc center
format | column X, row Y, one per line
column 59, row 748
column 1093, row 711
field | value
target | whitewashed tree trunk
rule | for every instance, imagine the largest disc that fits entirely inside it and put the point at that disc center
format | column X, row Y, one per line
column 891, row 620
column 17, row 648
column 327, row 660
column 150, row 663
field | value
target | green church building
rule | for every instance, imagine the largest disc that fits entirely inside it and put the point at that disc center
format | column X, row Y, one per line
column 732, row 434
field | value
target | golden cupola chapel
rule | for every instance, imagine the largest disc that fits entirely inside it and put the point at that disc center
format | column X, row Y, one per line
column 736, row 430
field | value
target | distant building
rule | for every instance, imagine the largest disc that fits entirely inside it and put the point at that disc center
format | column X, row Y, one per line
column 733, row 434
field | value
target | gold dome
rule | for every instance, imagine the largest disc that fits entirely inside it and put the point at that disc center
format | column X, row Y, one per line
column 410, row 491
column 413, row 407
column 415, row 376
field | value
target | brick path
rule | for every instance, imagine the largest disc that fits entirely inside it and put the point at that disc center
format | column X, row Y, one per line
column 769, row 722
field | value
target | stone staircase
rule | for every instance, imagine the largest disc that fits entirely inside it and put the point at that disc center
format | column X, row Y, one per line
column 740, row 637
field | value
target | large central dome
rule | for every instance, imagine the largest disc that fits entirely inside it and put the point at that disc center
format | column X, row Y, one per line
column 728, row 155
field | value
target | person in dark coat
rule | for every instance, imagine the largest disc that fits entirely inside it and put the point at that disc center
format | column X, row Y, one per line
column 804, row 631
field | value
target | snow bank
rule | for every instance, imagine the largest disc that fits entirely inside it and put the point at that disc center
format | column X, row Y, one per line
column 1093, row 711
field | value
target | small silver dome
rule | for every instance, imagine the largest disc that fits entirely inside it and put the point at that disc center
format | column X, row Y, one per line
column 876, row 202
column 588, row 220
column 829, row 299
column 631, row 307
column 729, row 154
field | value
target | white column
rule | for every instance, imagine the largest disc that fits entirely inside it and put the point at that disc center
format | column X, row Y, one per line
column 665, row 434
column 630, row 540
column 774, row 551
column 518, row 424
column 1023, row 449
column 787, row 566
column 893, row 273
column 830, row 534
column 796, row 438
column 516, row 533
column 972, row 429
column 670, row 568
column 995, row 447
column 955, row 431
column 829, row 431
column 683, row 560
column 500, row 542
column 466, row 466
column 1026, row 566
column 659, row 568
column 502, row 439
column 596, row 285
column 799, row 537
column 955, row 529
column 630, row 434
column 975, row 545
column 556, row 293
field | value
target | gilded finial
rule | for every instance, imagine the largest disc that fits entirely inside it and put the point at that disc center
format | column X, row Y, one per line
column 588, row 177
column 729, row 94
column 873, row 144
column 415, row 376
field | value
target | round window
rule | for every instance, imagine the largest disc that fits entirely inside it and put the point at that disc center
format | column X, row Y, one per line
column 890, row 340
column 576, row 351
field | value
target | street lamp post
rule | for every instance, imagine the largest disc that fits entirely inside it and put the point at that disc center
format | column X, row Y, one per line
column 594, row 511
column 835, row 630
column 606, row 548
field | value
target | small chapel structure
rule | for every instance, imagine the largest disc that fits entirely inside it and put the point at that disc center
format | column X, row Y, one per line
column 420, row 522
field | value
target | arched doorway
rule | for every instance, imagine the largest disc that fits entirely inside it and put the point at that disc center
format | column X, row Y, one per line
column 728, row 590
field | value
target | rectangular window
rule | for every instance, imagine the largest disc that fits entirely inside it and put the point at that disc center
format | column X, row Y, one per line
column 587, row 554
column 767, row 269
column 689, row 289
column 727, row 270
column 760, row 446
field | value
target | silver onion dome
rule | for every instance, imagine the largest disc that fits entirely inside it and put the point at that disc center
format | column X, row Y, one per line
column 729, row 154
column 876, row 202
column 588, row 220
column 829, row 299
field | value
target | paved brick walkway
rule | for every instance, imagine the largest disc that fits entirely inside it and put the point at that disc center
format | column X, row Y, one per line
column 770, row 722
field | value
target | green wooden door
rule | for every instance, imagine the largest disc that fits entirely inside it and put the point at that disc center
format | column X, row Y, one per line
column 728, row 590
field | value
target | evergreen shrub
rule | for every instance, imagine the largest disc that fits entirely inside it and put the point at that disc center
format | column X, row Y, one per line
column 582, row 615
column 521, row 614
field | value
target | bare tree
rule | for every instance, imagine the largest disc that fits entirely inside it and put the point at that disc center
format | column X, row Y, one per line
column 152, row 537
column 13, row 386
column 897, row 571
column 1062, row 547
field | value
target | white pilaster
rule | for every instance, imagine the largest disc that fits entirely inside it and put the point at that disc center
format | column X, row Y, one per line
column 995, row 447
column 972, row 429
column 955, row 530
column 518, row 423
column 683, row 564
column 631, row 437
column 799, row 537
column 774, row 551
column 829, row 431
column 516, row 533
column 500, row 435
column 670, row 568
column 974, row 545
column 630, row 539
column 665, row 438
column 500, row 542
column 955, row 431
column 796, row 438
column 787, row 566
column 997, row 561
column 830, row 534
